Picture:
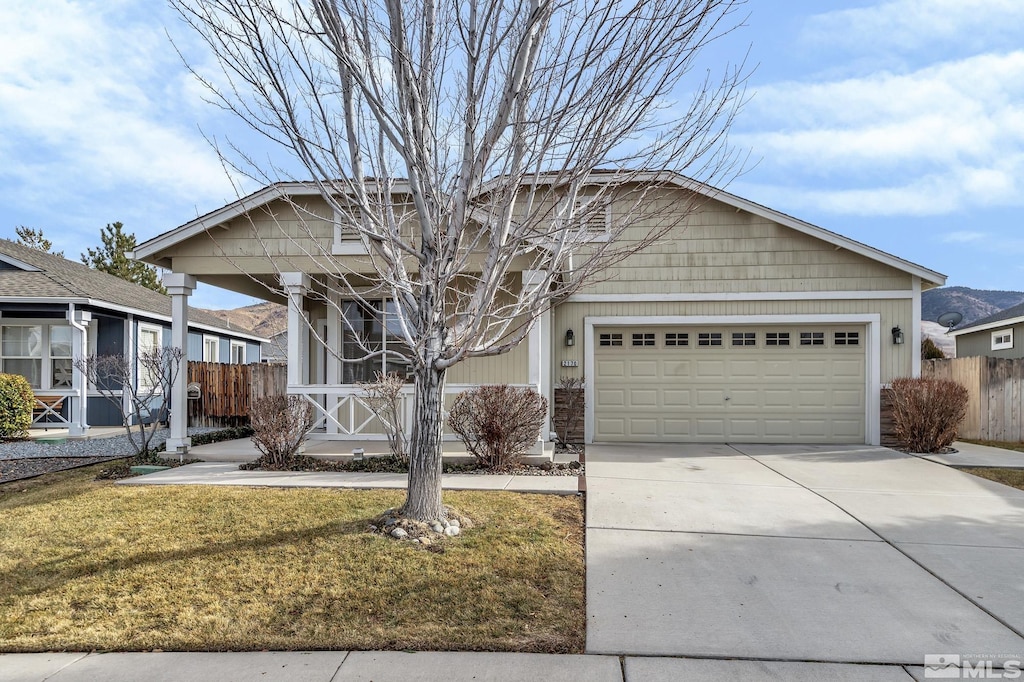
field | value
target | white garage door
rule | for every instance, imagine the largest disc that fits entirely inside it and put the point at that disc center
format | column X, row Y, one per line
column 766, row 384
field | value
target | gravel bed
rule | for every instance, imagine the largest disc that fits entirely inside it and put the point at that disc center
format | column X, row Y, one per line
column 14, row 469
column 115, row 446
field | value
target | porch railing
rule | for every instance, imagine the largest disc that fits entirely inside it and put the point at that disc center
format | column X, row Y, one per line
column 343, row 412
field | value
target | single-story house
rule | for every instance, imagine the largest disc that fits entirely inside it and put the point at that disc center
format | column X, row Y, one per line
column 53, row 310
column 1000, row 335
column 742, row 324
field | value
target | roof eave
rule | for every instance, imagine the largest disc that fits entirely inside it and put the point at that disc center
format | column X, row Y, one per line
column 987, row 326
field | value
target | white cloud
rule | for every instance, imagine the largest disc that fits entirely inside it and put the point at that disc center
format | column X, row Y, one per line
column 963, row 237
column 934, row 140
column 911, row 25
column 89, row 94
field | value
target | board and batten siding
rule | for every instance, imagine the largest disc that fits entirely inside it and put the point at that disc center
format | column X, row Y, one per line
column 895, row 360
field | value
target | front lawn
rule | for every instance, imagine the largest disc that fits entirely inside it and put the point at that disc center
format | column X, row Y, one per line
column 89, row 565
column 1011, row 477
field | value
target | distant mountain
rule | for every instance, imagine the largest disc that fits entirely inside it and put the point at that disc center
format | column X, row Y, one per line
column 973, row 304
column 264, row 319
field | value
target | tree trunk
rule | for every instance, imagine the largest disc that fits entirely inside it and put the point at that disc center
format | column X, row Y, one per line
column 423, row 500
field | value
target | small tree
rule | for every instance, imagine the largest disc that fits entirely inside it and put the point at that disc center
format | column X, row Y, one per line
column 111, row 258
column 384, row 398
column 141, row 392
column 34, row 239
column 498, row 424
column 930, row 351
column 280, row 424
column 927, row 412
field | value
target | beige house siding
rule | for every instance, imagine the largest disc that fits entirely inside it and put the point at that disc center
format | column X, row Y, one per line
column 980, row 343
column 719, row 249
column 895, row 360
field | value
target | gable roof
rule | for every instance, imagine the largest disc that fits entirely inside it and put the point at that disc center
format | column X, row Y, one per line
column 149, row 249
column 1004, row 318
column 32, row 275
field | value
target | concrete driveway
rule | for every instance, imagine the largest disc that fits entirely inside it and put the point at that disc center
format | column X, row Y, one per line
column 800, row 553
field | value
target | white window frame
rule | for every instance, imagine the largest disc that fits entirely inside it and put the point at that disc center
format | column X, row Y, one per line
column 46, row 358
column 142, row 380
column 215, row 341
column 346, row 242
column 236, row 345
column 1002, row 339
column 593, row 228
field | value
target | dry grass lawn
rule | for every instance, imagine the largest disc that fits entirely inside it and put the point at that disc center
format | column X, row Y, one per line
column 1010, row 477
column 89, row 565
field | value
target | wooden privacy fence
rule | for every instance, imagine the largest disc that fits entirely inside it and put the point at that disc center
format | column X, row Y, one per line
column 226, row 391
column 995, row 386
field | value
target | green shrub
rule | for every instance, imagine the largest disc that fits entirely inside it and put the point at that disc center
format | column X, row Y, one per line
column 930, row 351
column 16, row 403
column 498, row 424
column 927, row 412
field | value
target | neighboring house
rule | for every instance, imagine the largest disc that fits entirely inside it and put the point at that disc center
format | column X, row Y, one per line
column 999, row 336
column 743, row 325
column 53, row 310
column 275, row 350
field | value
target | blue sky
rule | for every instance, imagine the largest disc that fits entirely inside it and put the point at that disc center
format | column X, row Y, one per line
column 898, row 123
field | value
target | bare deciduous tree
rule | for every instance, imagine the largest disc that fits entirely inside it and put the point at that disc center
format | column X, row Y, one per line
column 138, row 391
column 461, row 143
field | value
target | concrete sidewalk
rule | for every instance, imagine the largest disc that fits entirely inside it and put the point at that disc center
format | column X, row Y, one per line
column 393, row 666
column 220, row 473
column 971, row 455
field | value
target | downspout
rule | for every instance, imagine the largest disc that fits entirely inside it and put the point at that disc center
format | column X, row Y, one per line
column 79, row 321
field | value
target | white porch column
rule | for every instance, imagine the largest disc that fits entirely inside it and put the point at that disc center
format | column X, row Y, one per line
column 539, row 343
column 180, row 286
column 79, row 321
column 295, row 285
column 332, row 373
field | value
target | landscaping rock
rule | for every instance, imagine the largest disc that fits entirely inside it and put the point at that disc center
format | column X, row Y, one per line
column 451, row 531
column 425, row 541
column 399, row 533
column 437, row 527
column 455, row 522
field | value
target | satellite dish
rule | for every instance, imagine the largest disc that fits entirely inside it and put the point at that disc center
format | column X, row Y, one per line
column 950, row 320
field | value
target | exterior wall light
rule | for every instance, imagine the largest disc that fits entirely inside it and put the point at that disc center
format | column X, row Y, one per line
column 570, row 338
column 897, row 335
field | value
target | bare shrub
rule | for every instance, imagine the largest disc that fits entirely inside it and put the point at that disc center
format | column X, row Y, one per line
column 280, row 424
column 927, row 412
column 498, row 424
column 569, row 412
column 140, row 390
column 383, row 396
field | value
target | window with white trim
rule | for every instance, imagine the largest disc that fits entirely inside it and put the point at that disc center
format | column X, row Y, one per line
column 1002, row 339
column 776, row 338
column 676, row 339
column 643, row 339
column 812, row 338
column 609, row 339
column 744, row 338
column 709, row 339
column 39, row 352
column 847, row 338
column 211, row 348
column 149, row 341
column 238, row 352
